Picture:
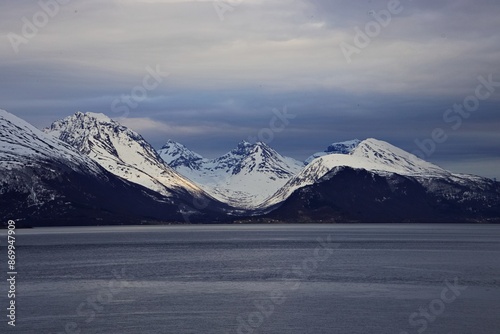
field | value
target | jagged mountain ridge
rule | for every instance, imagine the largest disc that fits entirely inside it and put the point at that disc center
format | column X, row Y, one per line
column 178, row 156
column 24, row 148
column 380, row 159
column 122, row 152
column 245, row 177
column 44, row 181
column 44, row 178
column 21, row 141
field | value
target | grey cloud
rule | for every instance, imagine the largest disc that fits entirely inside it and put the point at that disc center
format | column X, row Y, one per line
column 226, row 77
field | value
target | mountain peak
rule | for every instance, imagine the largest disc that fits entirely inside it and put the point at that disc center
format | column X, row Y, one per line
column 21, row 140
column 244, row 143
column 175, row 155
column 393, row 158
column 100, row 117
column 371, row 155
column 121, row 151
column 243, row 148
column 262, row 144
column 172, row 143
column 245, row 176
column 343, row 147
column 83, row 130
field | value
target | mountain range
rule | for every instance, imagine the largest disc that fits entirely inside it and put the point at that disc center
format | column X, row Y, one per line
column 244, row 177
column 89, row 169
column 46, row 181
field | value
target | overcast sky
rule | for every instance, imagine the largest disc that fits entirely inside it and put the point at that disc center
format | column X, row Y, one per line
column 230, row 64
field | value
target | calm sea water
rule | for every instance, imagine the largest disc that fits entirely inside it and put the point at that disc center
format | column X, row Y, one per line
column 256, row 279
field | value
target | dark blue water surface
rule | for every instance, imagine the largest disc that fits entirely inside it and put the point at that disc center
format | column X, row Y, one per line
column 256, row 279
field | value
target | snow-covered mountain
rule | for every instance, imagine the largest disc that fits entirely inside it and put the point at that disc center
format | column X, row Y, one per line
column 371, row 155
column 22, row 146
column 350, row 195
column 378, row 182
column 122, row 152
column 243, row 177
column 345, row 147
column 88, row 169
column 44, row 180
column 179, row 156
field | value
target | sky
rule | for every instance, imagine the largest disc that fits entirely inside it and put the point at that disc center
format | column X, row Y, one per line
column 423, row 75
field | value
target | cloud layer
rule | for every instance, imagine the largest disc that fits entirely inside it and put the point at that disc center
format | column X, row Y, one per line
column 227, row 76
